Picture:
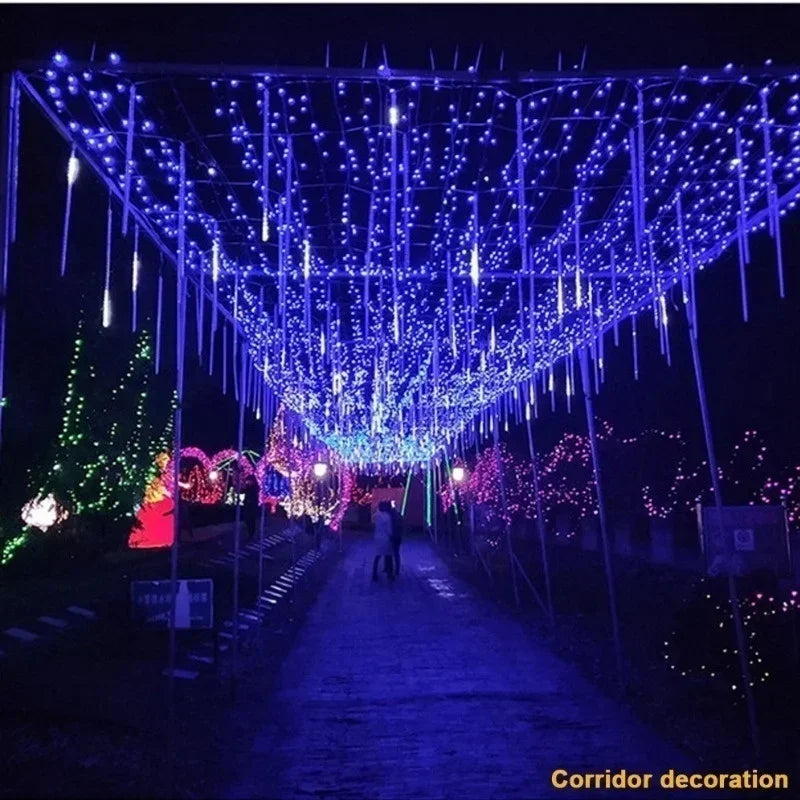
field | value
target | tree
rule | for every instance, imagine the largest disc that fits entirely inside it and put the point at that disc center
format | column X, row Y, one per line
column 104, row 456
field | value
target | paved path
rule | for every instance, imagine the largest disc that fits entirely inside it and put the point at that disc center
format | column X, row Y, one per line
column 418, row 689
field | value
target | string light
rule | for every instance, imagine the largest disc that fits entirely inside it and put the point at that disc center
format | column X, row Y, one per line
column 106, row 308
column 103, row 457
column 701, row 652
column 215, row 261
column 670, row 482
column 11, row 546
column 394, row 216
column 474, row 265
column 73, row 169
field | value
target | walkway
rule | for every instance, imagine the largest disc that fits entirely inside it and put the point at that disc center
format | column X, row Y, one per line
column 418, row 689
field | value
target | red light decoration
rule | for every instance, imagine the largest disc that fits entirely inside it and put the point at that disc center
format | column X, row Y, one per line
column 209, row 477
column 154, row 525
column 362, row 496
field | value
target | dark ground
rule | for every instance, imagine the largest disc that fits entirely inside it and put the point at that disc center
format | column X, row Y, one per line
column 84, row 712
column 700, row 716
column 419, row 689
column 435, row 686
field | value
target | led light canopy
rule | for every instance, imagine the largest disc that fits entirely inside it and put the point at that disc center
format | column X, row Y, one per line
column 409, row 258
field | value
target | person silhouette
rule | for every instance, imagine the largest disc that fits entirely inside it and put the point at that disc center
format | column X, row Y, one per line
column 383, row 540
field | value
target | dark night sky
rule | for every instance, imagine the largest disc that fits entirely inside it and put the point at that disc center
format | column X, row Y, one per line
column 752, row 370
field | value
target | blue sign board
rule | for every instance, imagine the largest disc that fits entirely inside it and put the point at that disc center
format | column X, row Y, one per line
column 151, row 603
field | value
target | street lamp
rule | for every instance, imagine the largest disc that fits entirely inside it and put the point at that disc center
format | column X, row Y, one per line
column 459, row 476
column 320, row 473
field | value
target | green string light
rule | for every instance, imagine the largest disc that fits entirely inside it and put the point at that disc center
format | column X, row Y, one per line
column 105, row 452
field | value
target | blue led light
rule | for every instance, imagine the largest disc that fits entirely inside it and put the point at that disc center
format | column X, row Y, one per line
column 408, row 260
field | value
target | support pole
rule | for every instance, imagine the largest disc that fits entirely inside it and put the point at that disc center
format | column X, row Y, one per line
column 428, row 498
column 128, row 175
column 8, row 112
column 539, row 518
column 238, row 517
column 511, row 563
column 405, row 493
column 72, row 170
column 598, row 485
column 180, row 332
column 471, row 530
column 159, row 311
column 434, row 501
column 741, row 641
column 261, row 553
column 293, row 571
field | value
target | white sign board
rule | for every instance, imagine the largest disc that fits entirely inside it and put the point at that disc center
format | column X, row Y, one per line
column 751, row 538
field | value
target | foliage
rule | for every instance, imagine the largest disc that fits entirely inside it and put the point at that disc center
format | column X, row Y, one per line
column 104, row 457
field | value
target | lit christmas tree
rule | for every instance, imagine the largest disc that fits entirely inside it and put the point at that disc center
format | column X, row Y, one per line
column 104, row 456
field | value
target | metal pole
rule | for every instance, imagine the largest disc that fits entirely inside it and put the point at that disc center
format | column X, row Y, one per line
column 741, row 641
column 511, row 563
column 8, row 113
column 539, row 518
column 238, row 519
column 471, row 540
column 180, row 312
column 601, row 508
column 405, row 493
column 261, row 553
column 434, row 503
column 428, row 498
column 346, row 503
column 293, row 572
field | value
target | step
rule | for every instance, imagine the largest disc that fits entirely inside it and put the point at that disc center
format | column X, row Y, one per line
column 242, row 627
column 82, row 612
column 21, row 634
column 183, row 674
column 54, row 622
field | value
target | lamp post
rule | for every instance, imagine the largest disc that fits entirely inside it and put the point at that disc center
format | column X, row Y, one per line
column 459, row 476
column 321, row 473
